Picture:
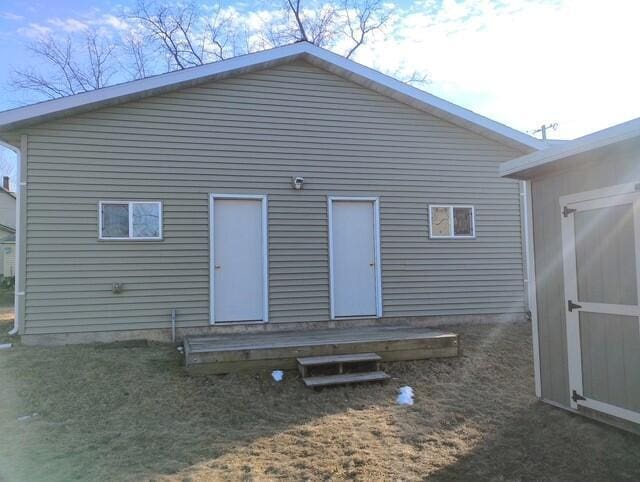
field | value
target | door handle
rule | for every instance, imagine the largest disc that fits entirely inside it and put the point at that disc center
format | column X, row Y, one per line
column 218, row 266
column 372, row 264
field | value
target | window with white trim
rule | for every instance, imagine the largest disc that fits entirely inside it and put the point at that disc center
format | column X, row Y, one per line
column 125, row 220
column 451, row 221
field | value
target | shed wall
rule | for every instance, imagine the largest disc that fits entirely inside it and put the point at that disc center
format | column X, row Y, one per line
column 250, row 134
column 597, row 170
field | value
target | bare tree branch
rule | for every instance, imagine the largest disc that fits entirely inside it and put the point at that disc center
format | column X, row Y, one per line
column 68, row 71
column 100, row 54
column 158, row 29
column 416, row 78
column 185, row 35
column 34, row 81
column 221, row 38
column 294, row 9
column 363, row 18
column 134, row 51
column 323, row 26
column 184, row 23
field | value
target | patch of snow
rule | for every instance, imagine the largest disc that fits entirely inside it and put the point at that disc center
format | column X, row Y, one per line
column 277, row 375
column 24, row 418
column 405, row 397
column 5, row 346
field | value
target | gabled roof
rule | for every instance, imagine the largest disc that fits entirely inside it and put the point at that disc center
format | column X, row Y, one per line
column 57, row 108
column 7, row 228
column 9, row 193
column 532, row 164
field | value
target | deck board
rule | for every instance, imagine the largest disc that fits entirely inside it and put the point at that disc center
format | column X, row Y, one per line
column 250, row 351
column 346, row 378
column 312, row 361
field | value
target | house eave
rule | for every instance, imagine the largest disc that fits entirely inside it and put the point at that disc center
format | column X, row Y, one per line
column 536, row 163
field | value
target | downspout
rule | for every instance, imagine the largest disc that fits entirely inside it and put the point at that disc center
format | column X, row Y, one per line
column 21, row 228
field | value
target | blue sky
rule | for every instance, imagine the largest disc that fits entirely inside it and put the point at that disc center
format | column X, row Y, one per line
column 520, row 62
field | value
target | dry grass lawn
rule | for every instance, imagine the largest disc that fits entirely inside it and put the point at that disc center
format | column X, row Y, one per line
column 117, row 412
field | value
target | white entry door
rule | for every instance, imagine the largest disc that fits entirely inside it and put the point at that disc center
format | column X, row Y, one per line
column 601, row 260
column 354, row 257
column 238, row 259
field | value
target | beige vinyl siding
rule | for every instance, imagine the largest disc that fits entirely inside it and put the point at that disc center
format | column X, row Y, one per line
column 600, row 169
column 250, row 134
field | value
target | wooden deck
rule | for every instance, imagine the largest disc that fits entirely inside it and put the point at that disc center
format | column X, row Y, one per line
column 217, row 354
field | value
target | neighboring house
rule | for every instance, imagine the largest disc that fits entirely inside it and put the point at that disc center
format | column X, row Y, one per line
column 585, row 238
column 290, row 186
column 7, row 229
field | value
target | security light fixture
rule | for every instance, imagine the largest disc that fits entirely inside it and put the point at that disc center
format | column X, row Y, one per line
column 297, row 182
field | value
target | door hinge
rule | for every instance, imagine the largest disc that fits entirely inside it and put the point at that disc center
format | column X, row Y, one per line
column 572, row 306
column 576, row 397
column 566, row 211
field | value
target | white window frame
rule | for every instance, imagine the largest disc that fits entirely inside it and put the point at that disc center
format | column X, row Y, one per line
column 130, row 237
column 452, row 234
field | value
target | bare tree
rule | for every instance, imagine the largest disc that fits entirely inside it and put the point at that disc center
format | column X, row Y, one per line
column 165, row 36
column 71, row 70
column 171, row 28
column 180, row 32
column 183, row 34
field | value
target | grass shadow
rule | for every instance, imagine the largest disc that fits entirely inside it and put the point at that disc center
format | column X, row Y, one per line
column 542, row 442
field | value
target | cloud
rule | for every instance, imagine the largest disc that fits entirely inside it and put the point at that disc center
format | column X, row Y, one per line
column 524, row 62
column 106, row 24
column 11, row 16
column 34, row 31
column 68, row 24
column 114, row 22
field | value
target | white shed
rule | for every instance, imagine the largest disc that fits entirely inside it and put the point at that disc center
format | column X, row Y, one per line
column 583, row 233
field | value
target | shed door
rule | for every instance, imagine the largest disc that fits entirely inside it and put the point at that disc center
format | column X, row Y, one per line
column 353, row 258
column 601, row 256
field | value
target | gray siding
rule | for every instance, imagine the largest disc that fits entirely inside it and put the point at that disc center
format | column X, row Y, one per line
column 250, row 134
column 600, row 169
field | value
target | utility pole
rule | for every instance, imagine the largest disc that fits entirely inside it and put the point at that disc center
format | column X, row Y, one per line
column 543, row 130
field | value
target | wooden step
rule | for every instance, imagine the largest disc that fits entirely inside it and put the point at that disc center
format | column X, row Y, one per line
column 324, row 381
column 326, row 364
column 311, row 361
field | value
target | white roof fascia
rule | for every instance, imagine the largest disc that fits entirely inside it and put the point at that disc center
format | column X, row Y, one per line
column 596, row 140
